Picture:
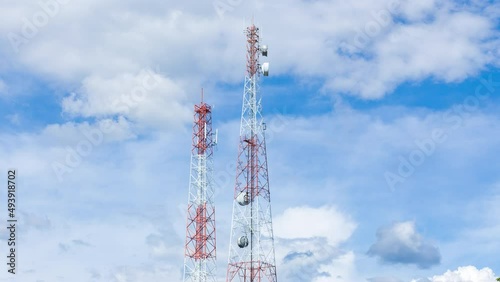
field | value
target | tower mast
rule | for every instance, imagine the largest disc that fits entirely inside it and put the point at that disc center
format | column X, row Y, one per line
column 251, row 250
column 200, row 248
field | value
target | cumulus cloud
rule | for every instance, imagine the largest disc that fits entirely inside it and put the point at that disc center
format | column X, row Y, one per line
column 342, row 268
column 313, row 259
column 190, row 42
column 305, row 257
column 450, row 47
column 463, row 274
column 147, row 98
column 309, row 251
column 415, row 11
column 401, row 243
column 70, row 133
column 302, row 222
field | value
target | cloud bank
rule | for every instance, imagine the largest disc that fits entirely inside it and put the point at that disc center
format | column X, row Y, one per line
column 401, row 243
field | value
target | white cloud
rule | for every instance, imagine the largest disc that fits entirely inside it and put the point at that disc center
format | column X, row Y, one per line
column 418, row 10
column 464, row 274
column 400, row 243
column 313, row 259
column 342, row 269
column 71, row 133
column 450, row 48
column 307, row 244
column 304, row 259
column 190, row 42
column 134, row 36
column 307, row 222
column 146, row 98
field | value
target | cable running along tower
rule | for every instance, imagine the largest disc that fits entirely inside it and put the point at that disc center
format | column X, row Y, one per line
column 200, row 249
column 251, row 249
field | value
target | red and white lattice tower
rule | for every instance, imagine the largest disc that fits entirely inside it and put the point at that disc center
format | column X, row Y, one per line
column 200, row 255
column 251, row 249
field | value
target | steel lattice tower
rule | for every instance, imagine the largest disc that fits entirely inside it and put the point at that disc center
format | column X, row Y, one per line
column 200, row 251
column 251, row 249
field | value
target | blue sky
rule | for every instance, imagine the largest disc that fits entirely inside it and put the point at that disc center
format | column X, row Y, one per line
column 383, row 121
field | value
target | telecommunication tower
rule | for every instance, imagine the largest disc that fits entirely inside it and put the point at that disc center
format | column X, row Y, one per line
column 200, row 249
column 251, row 249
